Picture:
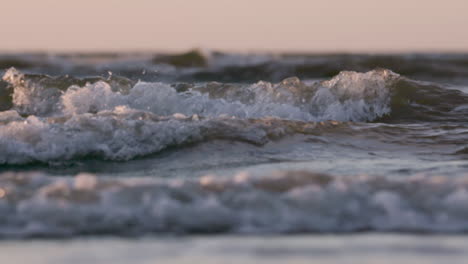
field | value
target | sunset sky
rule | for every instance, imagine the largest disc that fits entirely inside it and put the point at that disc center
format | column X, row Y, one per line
column 234, row 25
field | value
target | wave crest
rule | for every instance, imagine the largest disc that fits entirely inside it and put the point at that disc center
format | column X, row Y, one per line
column 349, row 96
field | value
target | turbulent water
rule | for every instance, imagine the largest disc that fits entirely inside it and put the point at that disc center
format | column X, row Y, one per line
column 206, row 142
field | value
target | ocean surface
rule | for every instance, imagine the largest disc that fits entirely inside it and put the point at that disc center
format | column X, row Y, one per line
column 246, row 157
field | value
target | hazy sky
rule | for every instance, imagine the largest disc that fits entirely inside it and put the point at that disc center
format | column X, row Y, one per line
column 240, row 25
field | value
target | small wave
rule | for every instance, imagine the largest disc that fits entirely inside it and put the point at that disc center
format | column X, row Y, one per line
column 124, row 134
column 193, row 58
column 251, row 67
column 285, row 202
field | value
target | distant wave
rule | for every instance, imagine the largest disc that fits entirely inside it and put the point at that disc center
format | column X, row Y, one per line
column 229, row 67
column 33, row 205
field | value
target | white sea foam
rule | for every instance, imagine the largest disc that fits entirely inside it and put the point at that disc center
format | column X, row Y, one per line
column 124, row 133
column 283, row 202
column 349, row 96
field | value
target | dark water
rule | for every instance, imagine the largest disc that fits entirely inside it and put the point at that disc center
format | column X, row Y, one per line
column 206, row 142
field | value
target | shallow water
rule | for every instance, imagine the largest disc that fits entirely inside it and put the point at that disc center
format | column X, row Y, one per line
column 368, row 248
column 149, row 153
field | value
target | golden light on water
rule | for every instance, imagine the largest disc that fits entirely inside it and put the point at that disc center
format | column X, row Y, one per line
column 2, row 193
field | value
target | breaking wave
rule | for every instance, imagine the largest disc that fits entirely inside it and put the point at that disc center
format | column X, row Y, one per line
column 284, row 202
column 63, row 118
column 349, row 96
column 123, row 134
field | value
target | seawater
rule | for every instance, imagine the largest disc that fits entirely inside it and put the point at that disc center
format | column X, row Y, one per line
column 139, row 145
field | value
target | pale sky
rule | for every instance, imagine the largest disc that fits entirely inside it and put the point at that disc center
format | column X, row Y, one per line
column 234, row 25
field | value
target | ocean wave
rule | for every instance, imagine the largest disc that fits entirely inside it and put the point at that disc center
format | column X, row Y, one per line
column 379, row 95
column 284, row 202
column 124, row 134
column 248, row 67
column 347, row 97
column 205, row 65
column 48, row 119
